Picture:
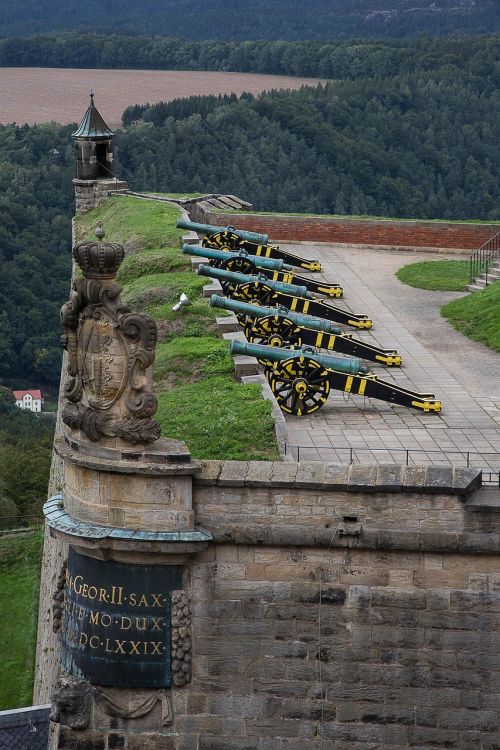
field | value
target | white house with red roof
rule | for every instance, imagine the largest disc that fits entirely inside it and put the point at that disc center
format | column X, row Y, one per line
column 30, row 399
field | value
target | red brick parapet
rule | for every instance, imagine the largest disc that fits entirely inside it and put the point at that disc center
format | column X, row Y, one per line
column 390, row 233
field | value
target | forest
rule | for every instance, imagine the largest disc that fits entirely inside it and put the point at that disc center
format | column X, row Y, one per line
column 36, row 199
column 25, row 455
column 253, row 19
column 422, row 142
column 341, row 60
column 416, row 145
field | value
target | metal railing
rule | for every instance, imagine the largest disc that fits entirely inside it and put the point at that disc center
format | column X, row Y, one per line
column 20, row 523
column 487, row 462
column 481, row 260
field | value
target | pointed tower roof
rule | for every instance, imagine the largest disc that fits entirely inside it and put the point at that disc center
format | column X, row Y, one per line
column 92, row 125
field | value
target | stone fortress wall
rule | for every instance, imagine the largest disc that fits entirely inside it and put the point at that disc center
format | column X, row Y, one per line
column 352, row 608
column 338, row 607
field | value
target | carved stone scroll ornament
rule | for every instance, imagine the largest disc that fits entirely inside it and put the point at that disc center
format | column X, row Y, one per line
column 110, row 352
column 181, row 638
column 71, row 702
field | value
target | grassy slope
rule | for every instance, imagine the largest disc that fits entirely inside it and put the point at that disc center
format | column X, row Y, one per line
column 199, row 401
column 477, row 315
column 20, row 558
column 444, row 275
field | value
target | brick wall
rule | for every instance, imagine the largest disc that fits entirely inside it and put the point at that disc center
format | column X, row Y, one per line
column 420, row 234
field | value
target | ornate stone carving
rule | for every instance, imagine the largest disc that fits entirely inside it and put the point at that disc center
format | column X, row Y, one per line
column 71, row 702
column 137, row 709
column 110, row 352
column 58, row 597
column 181, row 638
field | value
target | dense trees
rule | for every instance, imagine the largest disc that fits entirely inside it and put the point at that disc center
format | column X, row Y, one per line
column 415, row 145
column 340, row 60
column 25, row 454
column 253, row 19
column 36, row 167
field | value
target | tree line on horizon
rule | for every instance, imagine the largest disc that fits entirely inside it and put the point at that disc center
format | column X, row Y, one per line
column 254, row 19
column 340, row 60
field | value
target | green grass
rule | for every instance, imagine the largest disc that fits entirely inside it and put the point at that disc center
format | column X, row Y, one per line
column 137, row 224
column 477, row 316
column 199, row 400
column 175, row 283
column 188, row 359
column 444, row 275
column 20, row 560
column 152, row 261
column 218, row 418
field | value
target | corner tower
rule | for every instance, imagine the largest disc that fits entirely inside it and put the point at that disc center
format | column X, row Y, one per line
column 95, row 176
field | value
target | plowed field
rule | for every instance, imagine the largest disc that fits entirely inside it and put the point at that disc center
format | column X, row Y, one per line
column 35, row 95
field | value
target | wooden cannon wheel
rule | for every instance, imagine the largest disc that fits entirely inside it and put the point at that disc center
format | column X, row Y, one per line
column 300, row 385
column 254, row 291
column 221, row 240
column 272, row 330
column 238, row 265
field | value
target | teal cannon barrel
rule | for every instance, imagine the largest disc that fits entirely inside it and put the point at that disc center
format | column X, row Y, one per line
column 351, row 365
column 242, row 279
column 258, row 311
column 224, row 256
column 260, row 239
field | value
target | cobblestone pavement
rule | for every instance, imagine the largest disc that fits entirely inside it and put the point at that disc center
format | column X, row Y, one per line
column 437, row 359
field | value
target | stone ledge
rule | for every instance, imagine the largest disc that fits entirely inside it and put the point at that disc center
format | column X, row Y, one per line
column 162, row 458
column 314, row 475
column 370, row 538
column 60, row 520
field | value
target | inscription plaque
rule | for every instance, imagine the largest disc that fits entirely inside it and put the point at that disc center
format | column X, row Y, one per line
column 116, row 627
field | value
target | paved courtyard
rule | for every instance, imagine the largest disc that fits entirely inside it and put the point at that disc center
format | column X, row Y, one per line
column 462, row 374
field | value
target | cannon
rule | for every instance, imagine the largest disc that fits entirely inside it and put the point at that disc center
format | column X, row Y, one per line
column 240, row 261
column 229, row 238
column 267, row 292
column 251, row 287
column 209, row 229
column 274, row 269
column 301, row 380
column 273, row 326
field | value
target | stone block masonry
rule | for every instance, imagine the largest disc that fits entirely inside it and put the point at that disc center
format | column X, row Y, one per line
column 387, row 233
column 339, row 607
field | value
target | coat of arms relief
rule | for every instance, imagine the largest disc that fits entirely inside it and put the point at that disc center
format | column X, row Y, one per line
column 110, row 352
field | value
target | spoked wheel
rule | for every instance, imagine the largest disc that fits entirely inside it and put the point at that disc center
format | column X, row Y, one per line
column 238, row 265
column 221, row 240
column 256, row 291
column 300, row 386
column 214, row 263
column 230, row 289
column 273, row 330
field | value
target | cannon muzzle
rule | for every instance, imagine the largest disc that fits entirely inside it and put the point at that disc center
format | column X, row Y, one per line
column 351, row 366
column 260, row 239
column 242, row 278
column 223, row 255
column 258, row 311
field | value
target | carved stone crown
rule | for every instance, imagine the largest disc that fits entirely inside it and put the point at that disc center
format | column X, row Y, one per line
column 98, row 260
